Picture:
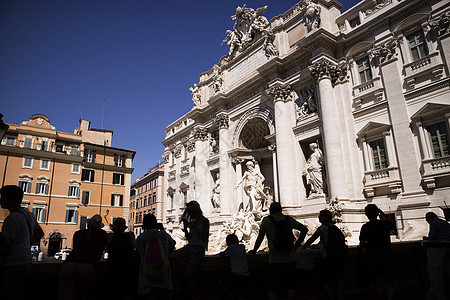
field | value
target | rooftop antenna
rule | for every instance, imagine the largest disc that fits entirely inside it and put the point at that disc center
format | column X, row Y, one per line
column 103, row 112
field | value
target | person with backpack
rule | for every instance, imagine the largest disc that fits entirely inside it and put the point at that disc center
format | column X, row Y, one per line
column 20, row 230
column 375, row 241
column 155, row 276
column 280, row 276
column 332, row 253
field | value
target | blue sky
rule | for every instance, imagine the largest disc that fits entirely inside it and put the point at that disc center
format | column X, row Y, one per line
column 63, row 58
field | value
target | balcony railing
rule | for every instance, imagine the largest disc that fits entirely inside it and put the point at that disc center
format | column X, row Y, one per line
column 368, row 88
column 426, row 65
column 434, row 168
column 384, row 178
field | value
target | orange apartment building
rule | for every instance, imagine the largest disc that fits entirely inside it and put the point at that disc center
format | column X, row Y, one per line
column 148, row 197
column 66, row 177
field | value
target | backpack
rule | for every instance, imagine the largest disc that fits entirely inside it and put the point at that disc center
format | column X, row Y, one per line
column 284, row 238
column 155, row 258
column 336, row 246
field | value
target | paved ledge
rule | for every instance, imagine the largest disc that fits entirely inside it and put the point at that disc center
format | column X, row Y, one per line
column 410, row 265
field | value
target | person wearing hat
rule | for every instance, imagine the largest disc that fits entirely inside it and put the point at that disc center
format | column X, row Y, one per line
column 78, row 275
column 122, row 260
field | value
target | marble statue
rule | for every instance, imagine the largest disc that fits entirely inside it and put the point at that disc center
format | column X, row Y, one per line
column 253, row 187
column 195, row 92
column 213, row 144
column 215, row 197
column 233, row 41
column 217, row 79
column 312, row 16
column 313, row 170
column 268, row 46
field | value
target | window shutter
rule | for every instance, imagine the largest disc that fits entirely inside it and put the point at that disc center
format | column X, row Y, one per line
column 121, row 200
column 75, row 216
column 68, row 192
column 46, row 189
column 66, row 218
column 28, row 187
column 122, row 179
column 33, row 211
column 112, row 199
column 44, row 214
column 92, row 177
column 37, row 188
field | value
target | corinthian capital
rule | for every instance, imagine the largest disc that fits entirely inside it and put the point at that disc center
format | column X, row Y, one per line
column 222, row 121
column 280, row 92
column 326, row 69
column 440, row 24
column 200, row 134
column 384, row 52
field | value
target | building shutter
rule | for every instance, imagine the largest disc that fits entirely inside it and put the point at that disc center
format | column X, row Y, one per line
column 44, row 215
column 75, row 216
column 66, row 218
column 112, row 199
column 121, row 200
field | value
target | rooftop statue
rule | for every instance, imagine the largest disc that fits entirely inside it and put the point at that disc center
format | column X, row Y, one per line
column 195, row 92
column 249, row 23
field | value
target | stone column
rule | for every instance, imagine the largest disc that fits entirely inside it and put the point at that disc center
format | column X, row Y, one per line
column 290, row 185
column 324, row 72
column 201, row 168
column 238, row 191
column 225, row 168
column 398, row 111
column 275, row 173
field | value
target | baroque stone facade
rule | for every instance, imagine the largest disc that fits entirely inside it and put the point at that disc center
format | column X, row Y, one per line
column 352, row 108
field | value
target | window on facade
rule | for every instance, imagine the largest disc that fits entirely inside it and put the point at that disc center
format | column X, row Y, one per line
column 439, row 139
column 137, row 203
column 39, row 213
column 85, row 196
column 154, row 198
column 74, row 151
column 365, row 74
column 379, row 157
column 28, row 142
column 76, row 168
column 44, row 145
column 354, row 22
column 59, row 148
column 118, row 160
column 42, row 188
column 71, row 215
column 87, row 175
column 145, row 201
column 83, row 222
column 417, row 45
column 25, row 185
column 90, row 156
column 27, row 162
column 73, row 190
column 10, row 141
column 118, row 178
column 116, row 200
column 45, row 164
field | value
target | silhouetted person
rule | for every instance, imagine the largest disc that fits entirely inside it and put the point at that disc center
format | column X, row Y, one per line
column 154, row 287
column 236, row 282
column 196, row 230
column 375, row 241
column 332, row 253
column 282, row 262
column 78, row 275
column 20, row 230
column 437, row 256
column 121, row 267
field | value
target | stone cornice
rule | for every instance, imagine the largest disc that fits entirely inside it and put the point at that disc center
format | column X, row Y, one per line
column 280, row 92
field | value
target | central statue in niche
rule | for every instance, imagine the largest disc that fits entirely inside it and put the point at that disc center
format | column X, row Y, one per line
column 253, row 187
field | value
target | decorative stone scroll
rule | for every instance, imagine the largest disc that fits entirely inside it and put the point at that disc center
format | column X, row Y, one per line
column 190, row 145
column 376, row 6
column 384, row 52
column 326, row 69
column 439, row 24
column 248, row 27
column 200, row 134
column 166, row 156
column 222, row 121
column 280, row 92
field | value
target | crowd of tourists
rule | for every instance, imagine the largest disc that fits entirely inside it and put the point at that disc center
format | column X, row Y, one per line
column 148, row 266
